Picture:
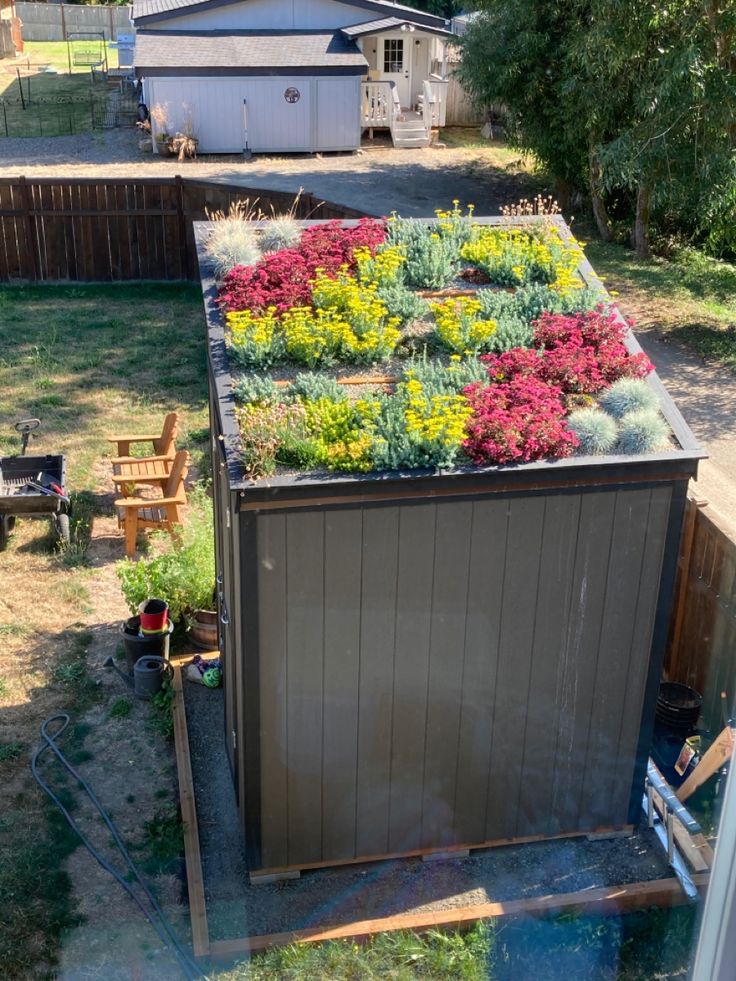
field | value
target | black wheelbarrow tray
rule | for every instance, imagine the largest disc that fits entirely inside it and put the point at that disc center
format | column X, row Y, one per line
column 26, row 489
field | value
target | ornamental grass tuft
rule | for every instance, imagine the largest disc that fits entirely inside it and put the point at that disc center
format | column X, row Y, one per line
column 642, row 431
column 596, row 431
column 628, row 395
column 232, row 243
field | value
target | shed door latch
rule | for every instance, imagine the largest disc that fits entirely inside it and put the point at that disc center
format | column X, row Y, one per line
column 235, row 739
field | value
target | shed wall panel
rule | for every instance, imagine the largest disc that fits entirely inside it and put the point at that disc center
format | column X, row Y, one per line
column 375, row 709
column 272, row 606
column 552, row 614
column 415, row 575
column 343, row 549
column 304, row 682
column 576, row 676
column 614, row 648
column 337, row 112
column 442, row 673
column 636, row 668
column 444, row 689
column 485, row 594
column 213, row 107
column 516, row 639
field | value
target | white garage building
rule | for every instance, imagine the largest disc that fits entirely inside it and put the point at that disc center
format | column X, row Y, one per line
column 291, row 75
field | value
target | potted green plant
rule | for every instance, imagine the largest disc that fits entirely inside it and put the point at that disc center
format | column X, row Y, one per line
column 182, row 572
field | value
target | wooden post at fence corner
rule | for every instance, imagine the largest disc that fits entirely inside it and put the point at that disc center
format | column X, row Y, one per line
column 182, row 220
column 30, row 227
column 684, row 562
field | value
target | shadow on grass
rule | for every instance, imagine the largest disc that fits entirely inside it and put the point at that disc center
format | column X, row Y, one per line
column 91, row 359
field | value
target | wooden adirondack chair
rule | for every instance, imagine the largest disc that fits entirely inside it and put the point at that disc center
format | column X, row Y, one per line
column 163, row 444
column 135, row 513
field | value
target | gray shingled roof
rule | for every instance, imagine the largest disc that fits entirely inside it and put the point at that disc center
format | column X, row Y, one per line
column 241, row 49
column 387, row 24
column 150, row 8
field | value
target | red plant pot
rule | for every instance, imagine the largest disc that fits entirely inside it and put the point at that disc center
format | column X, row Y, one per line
column 154, row 614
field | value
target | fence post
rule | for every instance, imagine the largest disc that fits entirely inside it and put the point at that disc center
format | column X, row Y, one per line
column 684, row 562
column 30, row 226
column 183, row 230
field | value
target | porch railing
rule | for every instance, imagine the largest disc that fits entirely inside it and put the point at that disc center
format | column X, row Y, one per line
column 379, row 104
column 434, row 102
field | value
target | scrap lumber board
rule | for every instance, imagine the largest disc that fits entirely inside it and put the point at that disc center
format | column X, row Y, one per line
column 611, row 900
column 193, row 858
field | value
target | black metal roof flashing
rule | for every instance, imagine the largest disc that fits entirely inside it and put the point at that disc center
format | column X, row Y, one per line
column 313, row 489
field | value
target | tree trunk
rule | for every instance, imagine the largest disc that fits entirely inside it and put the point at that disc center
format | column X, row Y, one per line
column 640, row 234
column 596, row 196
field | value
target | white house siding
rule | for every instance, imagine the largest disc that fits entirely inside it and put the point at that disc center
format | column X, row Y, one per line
column 282, row 15
column 220, row 108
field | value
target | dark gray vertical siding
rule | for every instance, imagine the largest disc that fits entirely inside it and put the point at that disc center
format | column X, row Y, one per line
column 614, row 647
column 576, row 676
column 636, row 666
column 415, row 575
column 304, row 682
column 516, row 638
column 452, row 672
column 343, row 552
column 485, row 593
column 444, row 688
column 272, row 606
column 551, row 616
column 375, row 709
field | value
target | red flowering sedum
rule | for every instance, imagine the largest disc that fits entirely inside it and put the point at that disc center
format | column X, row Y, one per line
column 282, row 279
column 517, row 421
column 597, row 332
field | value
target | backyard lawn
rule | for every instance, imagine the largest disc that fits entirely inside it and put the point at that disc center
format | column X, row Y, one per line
column 93, row 360
column 52, row 103
column 691, row 296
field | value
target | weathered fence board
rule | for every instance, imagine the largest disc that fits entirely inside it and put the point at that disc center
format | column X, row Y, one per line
column 702, row 650
column 55, row 230
column 49, row 21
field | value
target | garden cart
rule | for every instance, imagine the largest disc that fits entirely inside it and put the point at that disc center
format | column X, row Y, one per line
column 32, row 486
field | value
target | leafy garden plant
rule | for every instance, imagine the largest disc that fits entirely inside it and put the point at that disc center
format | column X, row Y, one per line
column 182, row 570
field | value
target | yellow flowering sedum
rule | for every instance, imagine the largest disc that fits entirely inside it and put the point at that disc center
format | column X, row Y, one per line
column 438, row 420
column 514, row 256
column 458, row 326
column 255, row 338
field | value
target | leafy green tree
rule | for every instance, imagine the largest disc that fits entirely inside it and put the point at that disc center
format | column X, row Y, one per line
column 633, row 96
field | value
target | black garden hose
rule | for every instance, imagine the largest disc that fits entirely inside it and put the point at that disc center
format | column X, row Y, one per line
column 154, row 914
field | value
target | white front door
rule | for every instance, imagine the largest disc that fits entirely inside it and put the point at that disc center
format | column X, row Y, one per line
column 394, row 63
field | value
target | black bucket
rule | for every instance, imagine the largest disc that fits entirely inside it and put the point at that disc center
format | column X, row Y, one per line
column 678, row 706
column 153, row 645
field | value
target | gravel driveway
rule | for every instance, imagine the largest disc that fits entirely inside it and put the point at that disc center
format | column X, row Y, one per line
column 375, row 180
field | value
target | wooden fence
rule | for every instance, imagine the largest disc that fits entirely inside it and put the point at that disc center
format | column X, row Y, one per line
column 54, row 230
column 51, row 21
column 702, row 648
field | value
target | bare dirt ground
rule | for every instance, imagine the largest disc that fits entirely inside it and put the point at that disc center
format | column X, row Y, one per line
column 377, row 181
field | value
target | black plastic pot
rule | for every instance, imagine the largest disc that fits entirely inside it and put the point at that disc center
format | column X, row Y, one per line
column 678, row 706
column 153, row 645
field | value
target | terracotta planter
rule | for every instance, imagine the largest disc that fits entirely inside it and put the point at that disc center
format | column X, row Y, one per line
column 203, row 630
